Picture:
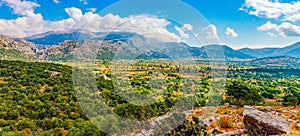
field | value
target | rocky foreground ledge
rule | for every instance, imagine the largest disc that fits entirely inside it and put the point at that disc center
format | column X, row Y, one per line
column 248, row 120
column 258, row 122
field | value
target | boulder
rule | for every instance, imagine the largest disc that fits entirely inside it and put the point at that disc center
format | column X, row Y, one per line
column 259, row 122
column 297, row 126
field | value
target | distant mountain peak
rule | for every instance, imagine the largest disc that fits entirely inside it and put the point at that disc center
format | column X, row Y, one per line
column 63, row 45
column 56, row 37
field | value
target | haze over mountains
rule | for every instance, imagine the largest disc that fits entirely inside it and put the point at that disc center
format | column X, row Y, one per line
column 60, row 46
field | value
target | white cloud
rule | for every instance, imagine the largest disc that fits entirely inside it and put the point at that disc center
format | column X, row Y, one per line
column 74, row 13
column 24, row 8
column 273, row 9
column 56, row 1
column 267, row 26
column 92, row 9
column 31, row 24
column 183, row 29
column 284, row 29
column 181, row 32
column 271, row 34
column 188, row 27
column 230, row 32
column 288, row 29
column 85, row 2
column 211, row 32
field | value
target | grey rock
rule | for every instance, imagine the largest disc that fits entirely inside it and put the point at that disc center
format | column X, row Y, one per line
column 235, row 133
column 298, row 125
column 260, row 122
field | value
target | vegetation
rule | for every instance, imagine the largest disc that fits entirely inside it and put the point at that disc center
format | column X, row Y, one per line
column 39, row 98
column 239, row 93
column 225, row 122
column 189, row 128
column 12, row 54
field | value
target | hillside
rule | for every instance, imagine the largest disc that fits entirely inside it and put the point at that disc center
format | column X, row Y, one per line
column 54, row 38
column 229, row 53
column 38, row 99
column 13, row 54
column 280, row 61
column 59, row 46
column 118, row 44
column 291, row 50
column 17, row 49
column 259, row 53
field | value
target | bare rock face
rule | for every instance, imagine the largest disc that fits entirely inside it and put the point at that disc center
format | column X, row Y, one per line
column 259, row 122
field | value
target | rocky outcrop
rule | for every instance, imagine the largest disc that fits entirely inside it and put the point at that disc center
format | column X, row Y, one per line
column 259, row 122
column 20, row 45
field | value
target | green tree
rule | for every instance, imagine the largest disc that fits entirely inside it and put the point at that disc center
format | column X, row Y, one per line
column 239, row 93
column 290, row 100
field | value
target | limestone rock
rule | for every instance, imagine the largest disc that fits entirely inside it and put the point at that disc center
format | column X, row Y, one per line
column 260, row 122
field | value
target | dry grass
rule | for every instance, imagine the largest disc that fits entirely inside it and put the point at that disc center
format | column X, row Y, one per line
column 225, row 121
column 297, row 108
column 42, row 90
column 2, row 80
column 224, row 110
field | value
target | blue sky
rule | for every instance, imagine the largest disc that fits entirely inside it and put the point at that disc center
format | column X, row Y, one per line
column 238, row 23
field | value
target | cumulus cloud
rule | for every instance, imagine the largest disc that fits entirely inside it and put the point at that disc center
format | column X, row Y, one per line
column 267, row 26
column 188, row 27
column 31, row 24
column 288, row 29
column 85, row 2
column 181, row 32
column 92, row 9
column 211, row 32
column 273, row 9
column 284, row 29
column 271, row 34
column 230, row 32
column 24, row 8
column 183, row 29
column 56, row 1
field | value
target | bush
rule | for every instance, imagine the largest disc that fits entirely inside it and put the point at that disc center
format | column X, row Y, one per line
column 290, row 100
column 239, row 93
column 225, row 122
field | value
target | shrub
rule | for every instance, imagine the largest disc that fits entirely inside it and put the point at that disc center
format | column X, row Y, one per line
column 240, row 93
column 225, row 122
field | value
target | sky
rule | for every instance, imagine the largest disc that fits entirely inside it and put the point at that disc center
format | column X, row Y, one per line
column 236, row 23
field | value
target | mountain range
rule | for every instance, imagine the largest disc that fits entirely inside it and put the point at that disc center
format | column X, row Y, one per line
column 60, row 46
column 292, row 51
column 280, row 61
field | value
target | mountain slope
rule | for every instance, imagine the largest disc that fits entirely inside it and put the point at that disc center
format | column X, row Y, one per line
column 259, row 53
column 279, row 61
column 54, row 38
column 292, row 51
column 228, row 53
column 138, row 42
column 12, row 54
column 121, row 45
column 17, row 49
column 124, row 45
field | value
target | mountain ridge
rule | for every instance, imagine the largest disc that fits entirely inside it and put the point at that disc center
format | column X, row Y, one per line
column 131, row 43
column 292, row 50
